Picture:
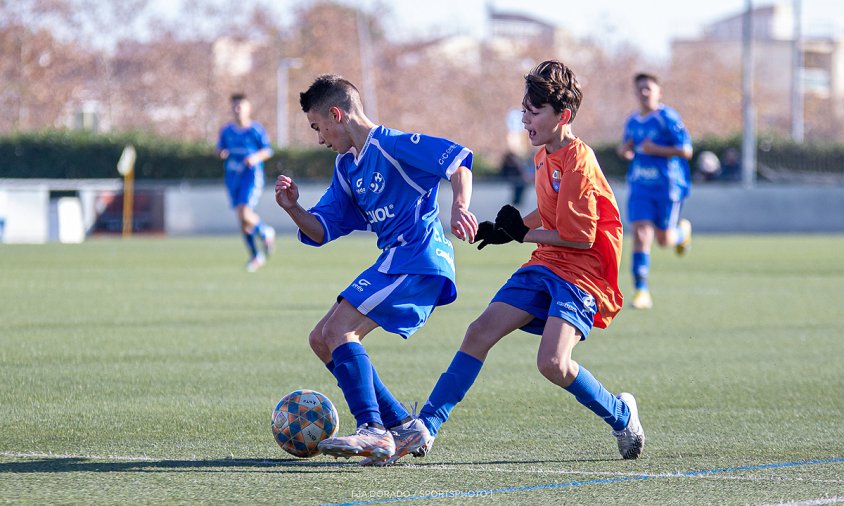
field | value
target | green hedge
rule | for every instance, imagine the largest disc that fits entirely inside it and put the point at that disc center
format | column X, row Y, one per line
column 773, row 153
column 72, row 154
column 784, row 154
column 83, row 155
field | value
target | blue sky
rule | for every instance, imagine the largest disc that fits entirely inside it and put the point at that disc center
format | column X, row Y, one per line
column 647, row 24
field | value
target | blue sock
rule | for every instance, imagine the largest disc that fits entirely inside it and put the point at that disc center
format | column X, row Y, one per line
column 449, row 390
column 260, row 230
column 392, row 411
column 592, row 394
column 249, row 239
column 353, row 371
column 641, row 268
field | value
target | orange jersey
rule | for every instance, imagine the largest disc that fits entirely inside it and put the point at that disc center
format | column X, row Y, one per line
column 574, row 198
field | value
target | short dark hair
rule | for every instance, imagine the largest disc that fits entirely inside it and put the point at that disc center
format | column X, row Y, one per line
column 330, row 90
column 552, row 82
column 237, row 97
column 644, row 75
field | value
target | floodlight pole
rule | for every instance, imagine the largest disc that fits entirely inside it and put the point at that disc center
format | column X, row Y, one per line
column 797, row 129
column 368, row 77
column 282, row 84
column 748, row 142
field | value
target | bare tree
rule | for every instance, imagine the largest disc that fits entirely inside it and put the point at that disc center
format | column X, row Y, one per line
column 41, row 76
column 135, row 69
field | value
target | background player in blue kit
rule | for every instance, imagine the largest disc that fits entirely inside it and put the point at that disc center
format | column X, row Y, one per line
column 658, row 147
column 385, row 181
column 244, row 145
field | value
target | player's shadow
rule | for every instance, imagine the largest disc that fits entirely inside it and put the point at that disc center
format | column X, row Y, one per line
column 76, row 465
column 287, row 466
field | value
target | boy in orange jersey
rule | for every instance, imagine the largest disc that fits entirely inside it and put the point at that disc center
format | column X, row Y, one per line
column 570, row 282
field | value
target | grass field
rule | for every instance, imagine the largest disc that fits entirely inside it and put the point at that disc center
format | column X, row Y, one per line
column 145, row 371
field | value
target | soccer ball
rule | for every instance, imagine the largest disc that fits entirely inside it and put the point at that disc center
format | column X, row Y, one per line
column 302, row 419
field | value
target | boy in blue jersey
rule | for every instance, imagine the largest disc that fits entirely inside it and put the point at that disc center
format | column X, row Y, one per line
column 385, row 181
column 658, row 147
column 245, row 146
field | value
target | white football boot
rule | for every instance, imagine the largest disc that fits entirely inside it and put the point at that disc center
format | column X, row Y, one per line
column 631, row 440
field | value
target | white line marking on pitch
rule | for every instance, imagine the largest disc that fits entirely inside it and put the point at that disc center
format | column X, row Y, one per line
column 618, row 473
column 811, row 502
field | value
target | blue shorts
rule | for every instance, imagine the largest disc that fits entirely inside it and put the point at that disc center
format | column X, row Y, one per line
column 245, row 186
column 662, row 212
column 399, row 303
column 543, row 294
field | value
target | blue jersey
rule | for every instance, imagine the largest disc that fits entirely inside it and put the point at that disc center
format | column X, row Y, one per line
column 657, row 175
column 242, row 142
column 390, row 188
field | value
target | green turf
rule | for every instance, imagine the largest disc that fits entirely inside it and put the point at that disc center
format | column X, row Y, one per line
column 146, row 370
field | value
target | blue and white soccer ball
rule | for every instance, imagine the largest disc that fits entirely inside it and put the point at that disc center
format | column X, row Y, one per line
column 302, row 419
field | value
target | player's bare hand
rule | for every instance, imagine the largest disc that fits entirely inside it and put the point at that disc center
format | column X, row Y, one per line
column 464, row 224
column 625, row 151
column 286, row 192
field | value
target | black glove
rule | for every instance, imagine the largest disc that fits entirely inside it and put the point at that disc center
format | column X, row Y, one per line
column 488, row 234
column 509, row 220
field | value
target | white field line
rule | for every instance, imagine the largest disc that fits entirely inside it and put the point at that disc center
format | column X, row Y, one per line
column 502, row 470
column 810, row 502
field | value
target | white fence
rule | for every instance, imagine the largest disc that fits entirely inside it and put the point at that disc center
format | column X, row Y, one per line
column 34, row 211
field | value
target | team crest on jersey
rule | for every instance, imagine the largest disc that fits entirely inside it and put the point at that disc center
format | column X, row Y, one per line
column 376, row 183
column 555, row 181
